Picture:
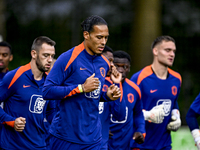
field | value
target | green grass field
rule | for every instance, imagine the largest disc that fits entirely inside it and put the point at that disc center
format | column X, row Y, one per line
column 183, row 140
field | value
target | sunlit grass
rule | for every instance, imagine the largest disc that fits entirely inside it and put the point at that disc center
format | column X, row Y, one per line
column 183, row 140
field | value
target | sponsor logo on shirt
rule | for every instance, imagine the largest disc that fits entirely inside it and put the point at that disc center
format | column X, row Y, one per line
column 95, row 93
column 83, row 68
column 167, row 105
column 152, row 91
column 36, row 104
column 25, row 86
column 116, row 121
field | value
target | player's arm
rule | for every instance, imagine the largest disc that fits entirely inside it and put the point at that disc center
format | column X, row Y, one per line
column 17, row 123
column 139, row 123
column 118, row 107
column 51, row 110
column 113, row 91
column 191, row 119
column 54, row 89
column 115, row 76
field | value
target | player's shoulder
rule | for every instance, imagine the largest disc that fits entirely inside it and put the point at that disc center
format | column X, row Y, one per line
column 67, row 58
column 146, row 71
column 134, row 86
column 131, row 83
column 175, row 74
column 19, row 70
column 74, row 51
column 108, row 80
column 105, row 59
column 142, row 74
column 17, row 74
column 67, row 53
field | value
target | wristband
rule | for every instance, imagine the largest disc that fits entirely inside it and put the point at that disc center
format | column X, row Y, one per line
column 80, row 88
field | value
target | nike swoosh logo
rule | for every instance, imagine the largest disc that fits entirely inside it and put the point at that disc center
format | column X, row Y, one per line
column 152, row 91
column 25, row 86
column 82, row 68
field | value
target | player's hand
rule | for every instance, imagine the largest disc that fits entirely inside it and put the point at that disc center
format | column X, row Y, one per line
column 175, row 124
column 19, row 124
column 155, row 115
column 115, row 76
column 113, row 92
column 91, row 84
column 138, row 137
column 196, row 136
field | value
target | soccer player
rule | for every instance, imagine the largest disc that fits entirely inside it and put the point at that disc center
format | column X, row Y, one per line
column 191, row 119
column 116, row 108
column 21, row 91
column 133, row 126
column 76, row 79
column 5, row 58
column 160, row 87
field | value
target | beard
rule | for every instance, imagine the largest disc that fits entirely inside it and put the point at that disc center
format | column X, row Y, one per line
column 40, row 66
column 1, row 69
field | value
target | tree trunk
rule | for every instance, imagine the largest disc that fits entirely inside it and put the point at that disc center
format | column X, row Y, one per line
column 146, row 27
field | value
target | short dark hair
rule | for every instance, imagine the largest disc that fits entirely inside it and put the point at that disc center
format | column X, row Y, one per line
column 121, row 54
column 37, row 43
column 6, row 44
column 159, row 40
column 107, row 49
column 88, row 23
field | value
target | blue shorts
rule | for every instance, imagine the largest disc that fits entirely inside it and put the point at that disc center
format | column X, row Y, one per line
column 57, row 144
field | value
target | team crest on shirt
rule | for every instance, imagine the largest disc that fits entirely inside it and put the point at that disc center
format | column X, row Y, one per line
column 103, row 72
column 167, row 105
column 105, row 87
column 101, row 107
column 36, row 104
column 174, row 90
column 95, row 93
column 130, row 97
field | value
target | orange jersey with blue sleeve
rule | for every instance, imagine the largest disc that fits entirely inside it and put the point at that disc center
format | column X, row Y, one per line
column 77, row 119
column 154, row 92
